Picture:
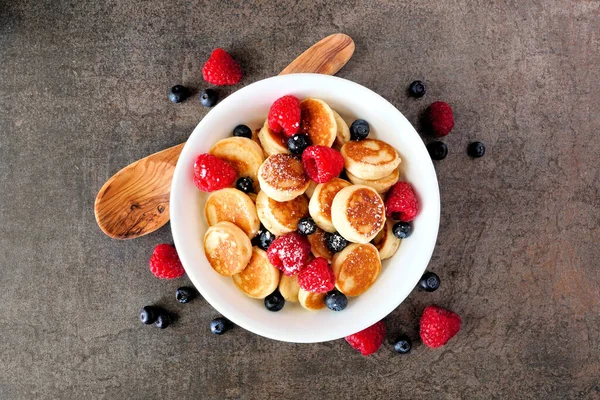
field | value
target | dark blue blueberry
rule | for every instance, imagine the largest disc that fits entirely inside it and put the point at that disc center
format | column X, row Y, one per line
column 298, row 143
column 403, row 344
column 335, row 242
column 242, row 131
column 148, row 315
column 402, row 230
column 178, row 93
column 185, row 294
column 476, row 149
column 265, row 239
column 208, row 98
column 274, row 301
column 437, row 150
column 163, row 319
column 416, row 89
column 245, row 184
column 429, row 282
column 307, row 226
column 336, row 300
column 359, row 129
column 220, row 325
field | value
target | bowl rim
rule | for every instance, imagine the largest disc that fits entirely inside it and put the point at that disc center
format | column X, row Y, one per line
column 378, row 313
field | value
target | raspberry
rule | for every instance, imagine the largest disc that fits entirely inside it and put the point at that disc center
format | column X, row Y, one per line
column 438, row 326
column 440, row 118
column 221, row 69
column 317, row 277
column 322, row 163
column 212, row 173
column 368, row 340
column 284, row 115
column 402, row 203
column 165, row 263
column 289, row 253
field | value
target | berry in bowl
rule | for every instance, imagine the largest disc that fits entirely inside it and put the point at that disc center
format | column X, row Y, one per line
column 304, row 207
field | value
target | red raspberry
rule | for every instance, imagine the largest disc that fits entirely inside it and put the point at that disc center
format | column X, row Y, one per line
column 317, row 277
column 368, row 340
column 438, row 326
column 221, row 69
column 440, row 118
column 212, row 173
column 284, row 115
column 322, row 163
column 289, row 253
column 165, row 263
column 401, row 202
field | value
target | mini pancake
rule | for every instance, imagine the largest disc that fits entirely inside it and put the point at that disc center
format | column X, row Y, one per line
column 227, row 247
column 311, row 301
column 234, row 206
column 317, row 245
column 358, row 213
column 386, row 243
column 381, row 185
column 243, row 154
column 272, row 142
column 280, row 217
column 282, row 177
column 310, row 189
column 318, row 122
column 342, row 135
column 370, row 158
column 320, row 202
column 259, row 279
column 288, row 287
column 356, row 268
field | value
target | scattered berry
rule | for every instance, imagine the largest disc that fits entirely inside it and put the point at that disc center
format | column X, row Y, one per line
column 336, row 300
column 165, row 263
column 359, row 129
column 368, row 340
column 417, row 89
column 440, row 118
column 298, row 143
column 148, row 315
column 242, row 131
column 335, row 242
column 289, row 253
column 401, row 202
column 185, row 294
column 437, row 150
column 274, row 301
column 263, row 239
column 211, row 173
column 402, row 230
column 245, row 184
column 476, row 149
column 284, row 115
column 429, row 282
column 221, row 69
column 438, row 325
column 403, row 344
column 220, row 325
column 317, row 277
column 307, row 226
column 208, row 98
column 163, row 319
column 178, row 93
column 322, row 163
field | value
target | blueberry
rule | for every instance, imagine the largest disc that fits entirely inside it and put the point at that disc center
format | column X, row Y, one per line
column 242, row 131
column 298, row 143
column 208, row 98
column 402, row 230
column 265, row 239
column 245, row 184
column 162, row 320
column 307, row 226
column 178, row 93
column 476, row 149
column 335, row 242
column 416, row 89
column 429, row 282
column 359, row 129
column 274, row 301
column 336, row 300
column 402, row 344
column 185, row 294
column 437, row 150
column 148, row 315
column 220, row 325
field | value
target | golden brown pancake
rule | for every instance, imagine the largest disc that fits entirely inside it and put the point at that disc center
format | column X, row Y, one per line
column 288, row 287
column 281, row 217
column 259, row 279
column 318, row 122
column 320, row 202
column 386, row 243
column 317, row 245
column 243, row 154
column 358, row 213
column 311, row 301
column 370, row 158
column 356, row 268
column 282, row 177
column 272, row 142
column 234, row 206
column 227, row 248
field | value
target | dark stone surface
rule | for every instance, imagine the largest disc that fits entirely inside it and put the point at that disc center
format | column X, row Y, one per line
column 84, row 87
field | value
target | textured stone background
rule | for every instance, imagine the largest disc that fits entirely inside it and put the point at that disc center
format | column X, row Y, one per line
column 83, row 93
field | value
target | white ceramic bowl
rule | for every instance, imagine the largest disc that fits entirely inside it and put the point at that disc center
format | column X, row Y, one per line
column 399, row 274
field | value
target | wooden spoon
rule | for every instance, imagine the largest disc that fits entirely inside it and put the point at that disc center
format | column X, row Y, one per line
column 135, row 201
